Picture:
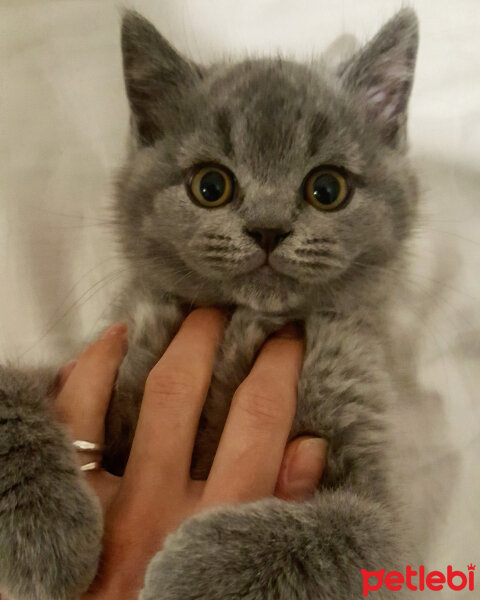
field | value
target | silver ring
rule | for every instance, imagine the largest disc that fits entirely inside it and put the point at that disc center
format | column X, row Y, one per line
column 84, row 446
column 91, row 466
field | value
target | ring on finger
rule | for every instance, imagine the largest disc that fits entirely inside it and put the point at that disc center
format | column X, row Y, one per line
column 86, row 446
column 95, row 465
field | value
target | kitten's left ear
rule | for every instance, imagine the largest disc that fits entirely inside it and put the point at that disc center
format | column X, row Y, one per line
column 381, row 74
column 157, row 78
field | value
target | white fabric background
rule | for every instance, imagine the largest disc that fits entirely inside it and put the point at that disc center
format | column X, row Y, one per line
column 63, row 125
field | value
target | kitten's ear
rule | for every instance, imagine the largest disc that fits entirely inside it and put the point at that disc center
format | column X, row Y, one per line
column 381, row 74
column 156, row 78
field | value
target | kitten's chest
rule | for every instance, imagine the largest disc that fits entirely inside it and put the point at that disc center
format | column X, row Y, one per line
column 243, row 340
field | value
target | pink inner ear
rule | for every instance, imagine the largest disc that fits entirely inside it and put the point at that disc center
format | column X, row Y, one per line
column 381, row 74
column 384, row 102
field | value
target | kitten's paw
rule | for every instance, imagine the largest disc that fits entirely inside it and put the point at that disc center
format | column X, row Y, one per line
column 50, row 523
column 272, row 550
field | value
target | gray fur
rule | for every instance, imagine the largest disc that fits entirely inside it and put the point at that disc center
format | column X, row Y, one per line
column 270, row 121
column 50, row 521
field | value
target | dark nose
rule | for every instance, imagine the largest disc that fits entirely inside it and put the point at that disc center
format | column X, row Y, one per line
column 267, row 239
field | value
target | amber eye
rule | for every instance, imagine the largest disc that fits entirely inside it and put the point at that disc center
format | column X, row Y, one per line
column 325, row 188
column 211, row 185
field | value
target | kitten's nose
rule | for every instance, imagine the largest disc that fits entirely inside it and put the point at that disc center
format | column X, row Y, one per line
column 267, row 239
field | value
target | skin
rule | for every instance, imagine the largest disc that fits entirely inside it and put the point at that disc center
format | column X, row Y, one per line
column 156, row 492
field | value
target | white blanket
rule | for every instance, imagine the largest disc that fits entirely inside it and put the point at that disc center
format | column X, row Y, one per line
column 63, row 125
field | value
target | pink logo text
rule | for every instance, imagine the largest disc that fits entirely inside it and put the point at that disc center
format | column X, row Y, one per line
column 418, row 580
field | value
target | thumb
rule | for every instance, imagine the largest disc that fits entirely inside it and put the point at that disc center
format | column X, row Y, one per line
column 302, row 467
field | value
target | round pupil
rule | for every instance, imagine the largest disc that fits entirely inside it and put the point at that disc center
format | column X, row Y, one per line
column 212, row 186
column 326, row 189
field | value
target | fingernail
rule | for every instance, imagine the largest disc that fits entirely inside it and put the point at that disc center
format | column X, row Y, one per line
column 305, row 469
column 290, row 331
column 118, row 329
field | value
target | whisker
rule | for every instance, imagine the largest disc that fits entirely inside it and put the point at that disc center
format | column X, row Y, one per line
column 85, row 296
column 407, row 274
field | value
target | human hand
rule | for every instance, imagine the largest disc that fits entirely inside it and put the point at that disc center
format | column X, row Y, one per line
column 156, row 493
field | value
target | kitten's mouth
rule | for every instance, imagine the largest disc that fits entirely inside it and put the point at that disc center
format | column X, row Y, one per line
column 266, row 272
column 266, row 269
column 266, row 276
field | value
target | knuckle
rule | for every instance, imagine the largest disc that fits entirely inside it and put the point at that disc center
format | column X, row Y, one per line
column 165, row 387
column 260, row 408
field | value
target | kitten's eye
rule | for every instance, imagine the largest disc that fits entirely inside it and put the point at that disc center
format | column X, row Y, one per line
column 325, row 188
column 211, row 185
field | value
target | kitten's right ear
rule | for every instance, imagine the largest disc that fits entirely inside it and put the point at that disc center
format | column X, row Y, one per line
column 381, row 75
column 157, row 77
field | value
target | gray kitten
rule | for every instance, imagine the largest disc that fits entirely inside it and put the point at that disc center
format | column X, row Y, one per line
column 283, row 192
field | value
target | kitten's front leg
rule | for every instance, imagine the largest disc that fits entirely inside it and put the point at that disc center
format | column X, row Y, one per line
column 50, row 521
column 276, row 550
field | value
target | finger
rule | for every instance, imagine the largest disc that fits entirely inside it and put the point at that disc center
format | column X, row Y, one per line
column 83, row 401
column 253, row 441
column 302, row 467
column 174, row 396
column 105, row 485
column 61, row 378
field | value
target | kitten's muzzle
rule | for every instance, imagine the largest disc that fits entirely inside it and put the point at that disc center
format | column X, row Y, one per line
column 268, row 239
